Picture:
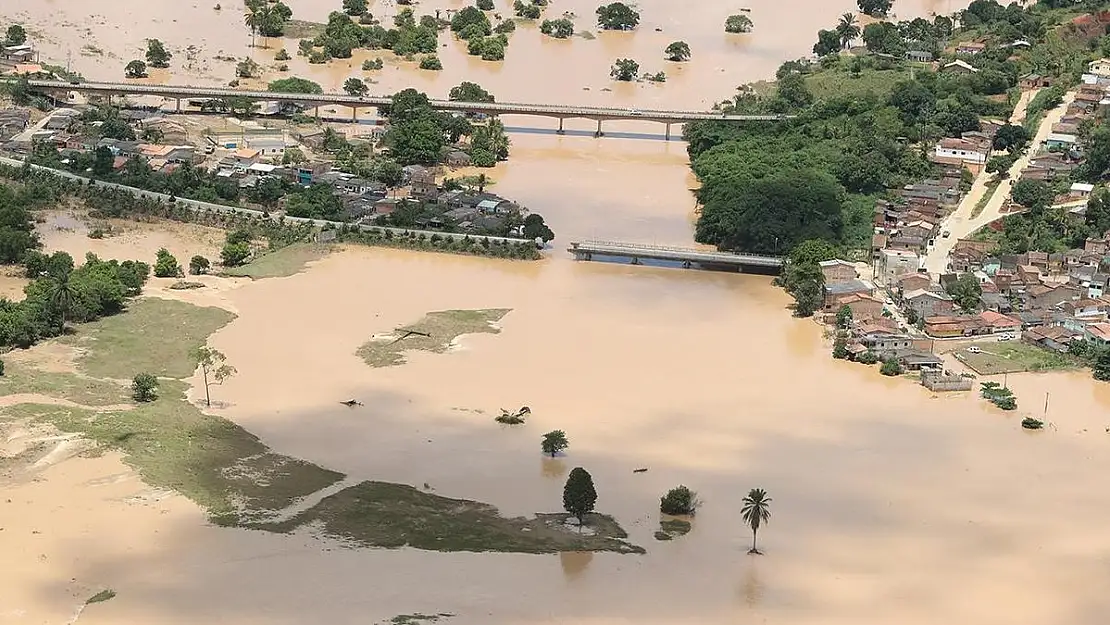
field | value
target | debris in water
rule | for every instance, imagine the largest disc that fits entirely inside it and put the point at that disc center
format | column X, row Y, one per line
column 1030, row 423
column 641, row 470
column 351, row 403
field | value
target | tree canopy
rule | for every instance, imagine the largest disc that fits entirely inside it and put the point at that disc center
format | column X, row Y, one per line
column 617, row 16
column 579, row 495
column 156, row 54
column 469, row 92
column 677, row 51
column 294, row 84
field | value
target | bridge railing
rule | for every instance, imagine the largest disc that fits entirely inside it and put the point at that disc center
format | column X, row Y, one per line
column 668, row 248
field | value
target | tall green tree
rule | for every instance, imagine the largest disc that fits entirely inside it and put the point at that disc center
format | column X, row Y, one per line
column 355, row 87
column 966, row 291
column 617, row 16
column 875, row 8
column 579, row 495
column 135, row 69
column 756, row 512
column 16, row 35
column 61, row 293
column 1101, row 369
column 828, row 42
column 847, row 29
column 625, row 69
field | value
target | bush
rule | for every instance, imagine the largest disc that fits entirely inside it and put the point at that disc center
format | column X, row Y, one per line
column 235, row 254
column 281, row 55
column 485, row 5
column 868, row 358
column 165, row 265
column 679, row 500
column 1, row 367
column 144, row 388
column 890, row 367
column 431, row 62
column 199, row 265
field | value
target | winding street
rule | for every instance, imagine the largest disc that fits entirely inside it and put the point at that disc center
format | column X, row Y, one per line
column 960, row 224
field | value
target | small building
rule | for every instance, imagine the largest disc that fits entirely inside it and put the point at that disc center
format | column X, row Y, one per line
column 917, row 360
column 997, row 323
column 267, row 147
column 1100, row 67
column 928, row 304
column 19, row 54
column 960, row 150
column 245, row 157
column 837, row 270
column 970, row 47
column 895, row 263
column 457, row 158
column 913, row 282
column 921, row 56
column 863, row 306
column 1098, row 333
column 1061, row 140
column 422, row 181
column 848, row 287
column 959, row 67
column 885, row 344
column 1081, row 189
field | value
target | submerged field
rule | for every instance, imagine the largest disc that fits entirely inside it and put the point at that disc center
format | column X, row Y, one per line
column 229, row 471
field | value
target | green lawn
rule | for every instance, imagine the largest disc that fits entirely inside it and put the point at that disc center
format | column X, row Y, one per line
column 1014, row 357
column 154, row 336
column 835, row 84
column 442, row 327
column 992, row 186
column 21, row 378
column 287, row 261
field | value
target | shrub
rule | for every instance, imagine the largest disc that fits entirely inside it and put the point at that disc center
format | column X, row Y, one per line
column 281, row 55
column 199, row 265
column 431, row 62
column 679, row 500
column 1, row 367
column 144, row 388
column 868, row 358
column 890, row 367
column 165, row 265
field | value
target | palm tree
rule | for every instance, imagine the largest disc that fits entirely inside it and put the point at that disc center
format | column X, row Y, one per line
column 755, row 512
column 61, row 295
column 847, row 29
column 253, row 19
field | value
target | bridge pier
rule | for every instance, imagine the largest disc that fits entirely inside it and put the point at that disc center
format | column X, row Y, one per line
column 177, row 106
column 560, row 131
column 354, row 114
column 668, row 133
column 317, row 114
column 599, row 133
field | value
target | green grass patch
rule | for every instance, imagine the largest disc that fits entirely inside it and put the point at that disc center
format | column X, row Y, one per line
column 20, row 378
column 992, row 186
column 153, row 336
column 442, row 327
column 210, row 460
column 287, row 261
column 1015, row 357
column 381, row 514
column 838, row 84
column 300, row 29
column 103, row 595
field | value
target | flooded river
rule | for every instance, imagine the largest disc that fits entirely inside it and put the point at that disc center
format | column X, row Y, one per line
column 890, row 504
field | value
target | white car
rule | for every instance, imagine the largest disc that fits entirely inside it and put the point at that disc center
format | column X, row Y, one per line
column 974, row 349
column 634, row 112
column 1005, row 337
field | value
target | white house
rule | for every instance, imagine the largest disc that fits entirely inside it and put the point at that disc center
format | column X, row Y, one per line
column 894, row 263
column 1082, row 189
column 1100, row 67
column 959, row 67
column 960, row 149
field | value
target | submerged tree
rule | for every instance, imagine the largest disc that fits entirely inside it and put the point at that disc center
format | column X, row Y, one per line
column 554, row 442
column 213, row 365
column 156, row 54
column 677, row 51
column 738, row 24
column 755, row 512
column 625, row 69
column 579, row 495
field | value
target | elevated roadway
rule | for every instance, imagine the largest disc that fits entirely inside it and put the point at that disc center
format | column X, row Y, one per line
column 636, row 252
column 315, row 100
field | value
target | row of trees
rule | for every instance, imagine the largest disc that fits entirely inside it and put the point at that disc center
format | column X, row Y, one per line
column 266, row 18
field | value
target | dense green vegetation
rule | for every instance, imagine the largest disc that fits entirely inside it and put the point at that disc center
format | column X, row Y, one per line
column 558, row 28
column 60, row 292
column 267, row 17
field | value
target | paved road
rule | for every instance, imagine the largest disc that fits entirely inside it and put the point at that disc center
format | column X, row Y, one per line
column 221, row 208
column 960, row 223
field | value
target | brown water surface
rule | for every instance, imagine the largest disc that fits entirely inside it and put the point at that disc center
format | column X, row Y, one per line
column 891, row 505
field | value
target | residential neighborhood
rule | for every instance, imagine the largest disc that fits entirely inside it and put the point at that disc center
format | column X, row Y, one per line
column 899, row 309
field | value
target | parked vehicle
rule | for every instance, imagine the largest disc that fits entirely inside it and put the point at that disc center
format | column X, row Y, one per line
column 974, row 349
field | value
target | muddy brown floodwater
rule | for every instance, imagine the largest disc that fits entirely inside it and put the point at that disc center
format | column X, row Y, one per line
column 890, row 504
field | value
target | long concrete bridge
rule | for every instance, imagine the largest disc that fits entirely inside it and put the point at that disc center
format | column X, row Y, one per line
column 316, row 100
column 637, row 252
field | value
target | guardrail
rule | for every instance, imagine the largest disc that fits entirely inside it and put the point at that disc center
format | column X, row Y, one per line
column 664, row 248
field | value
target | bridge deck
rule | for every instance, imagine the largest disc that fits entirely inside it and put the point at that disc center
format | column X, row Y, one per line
column 491, row 108
column 584, row 249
